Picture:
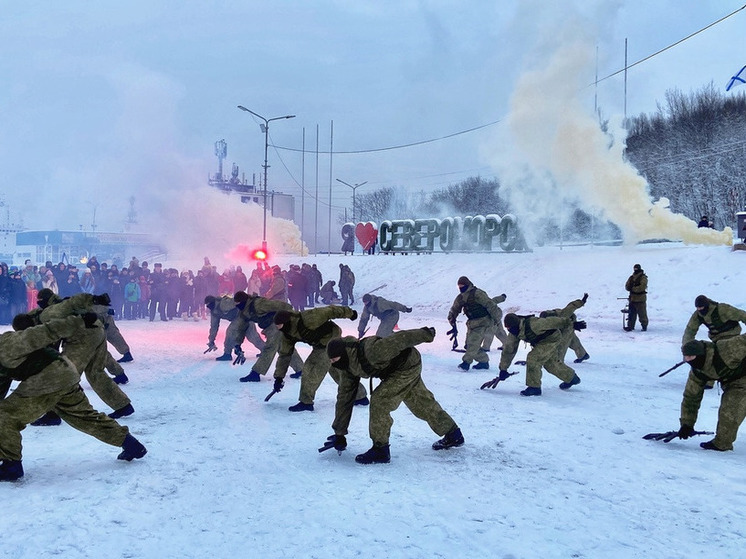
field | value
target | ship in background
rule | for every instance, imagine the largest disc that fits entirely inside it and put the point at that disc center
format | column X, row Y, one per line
column 278, row 204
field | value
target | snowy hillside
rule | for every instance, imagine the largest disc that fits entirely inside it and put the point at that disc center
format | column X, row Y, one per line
column 566, row 474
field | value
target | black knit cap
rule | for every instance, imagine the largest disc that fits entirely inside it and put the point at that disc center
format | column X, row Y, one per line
column 240, row 297
column 366, row 298
column 335, row 348
column 282, row 317
column 511, row 320
column 43, row 297
column 695, row 347
column 463, row 280
column 701, row 301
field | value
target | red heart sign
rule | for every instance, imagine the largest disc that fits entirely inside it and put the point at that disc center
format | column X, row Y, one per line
column 366, row 234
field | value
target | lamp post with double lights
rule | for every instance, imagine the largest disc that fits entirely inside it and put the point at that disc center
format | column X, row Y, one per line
column 265, row 128
column 354, row 188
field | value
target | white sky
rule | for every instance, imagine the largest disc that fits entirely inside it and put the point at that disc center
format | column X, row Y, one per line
column 107, row 100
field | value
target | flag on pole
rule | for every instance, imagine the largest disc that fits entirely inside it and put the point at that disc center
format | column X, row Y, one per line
column 739, row 78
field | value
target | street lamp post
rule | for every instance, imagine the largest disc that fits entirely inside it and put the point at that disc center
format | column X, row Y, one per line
column 265, row 128
column 354, row 188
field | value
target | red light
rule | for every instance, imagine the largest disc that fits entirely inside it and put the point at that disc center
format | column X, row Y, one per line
column 259, row 254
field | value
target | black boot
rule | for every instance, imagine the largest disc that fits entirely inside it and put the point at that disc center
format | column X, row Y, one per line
column 121, row 379
column 11, row 470
column 132, row 448
column 126, row 358
column 452, row 438
column 376, row 455
column 48, row 419
column 122, row 412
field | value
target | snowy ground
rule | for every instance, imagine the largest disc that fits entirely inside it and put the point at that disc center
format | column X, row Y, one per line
column 566, row 474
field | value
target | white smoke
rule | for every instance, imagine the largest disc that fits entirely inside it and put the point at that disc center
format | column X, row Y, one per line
column 563, row 159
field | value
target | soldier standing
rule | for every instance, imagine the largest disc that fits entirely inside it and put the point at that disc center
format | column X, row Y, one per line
column 481, row 313
column 724, row 361
column 315, row 328
column 398, row 364
column 637, row 285
column 384, row 310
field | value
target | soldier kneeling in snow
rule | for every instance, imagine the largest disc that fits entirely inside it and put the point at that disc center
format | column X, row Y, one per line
column 398, row 364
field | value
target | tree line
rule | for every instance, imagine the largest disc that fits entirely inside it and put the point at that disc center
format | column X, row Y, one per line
column 692, row 150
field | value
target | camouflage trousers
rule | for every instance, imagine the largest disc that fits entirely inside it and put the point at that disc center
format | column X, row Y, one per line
column 115, row 338
column 637, row 310
column 496, row 331
column 316, row 366
column 389, row 319
column 69, row 403
column 234, row 337
column 546, row 355
column 272, row 338
column 476, row 330
column 571, row 341
column 90, row 355
column 731, row 413
column 405, row 386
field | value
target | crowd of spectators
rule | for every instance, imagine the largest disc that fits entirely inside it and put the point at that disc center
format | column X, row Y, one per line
column 139, row 292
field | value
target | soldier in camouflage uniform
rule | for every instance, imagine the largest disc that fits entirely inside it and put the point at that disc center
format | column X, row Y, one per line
column 497, row 330
column 224, row 308
column 398, row 364
column 723, row 361
column 384, row 310
column 570, row 339
column 481, row 313
column 315, row 328
column 255, row 309
column 87, row 349
column 722, row 321
column 637, row 285
column 48, row 381
column 545, row 337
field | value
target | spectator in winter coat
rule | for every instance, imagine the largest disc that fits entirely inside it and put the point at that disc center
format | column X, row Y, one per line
column 142, row 308
column 296, row 288
column 87, row 283
column 131, row 298
column 328, row 295
column 254, row 286
column 317, row 283
column 240, row 282
column 278, row 288
column 225, row 284
column 200, row 292
column 384, row 310
column 637, row 285
column 310, row 278
column 346, row 284
column 398, row 365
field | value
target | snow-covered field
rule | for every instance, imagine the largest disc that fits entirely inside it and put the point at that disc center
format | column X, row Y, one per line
column 566, row 474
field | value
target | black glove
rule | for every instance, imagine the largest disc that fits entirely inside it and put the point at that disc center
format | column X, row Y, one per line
column 686, row 431
column 340, row 442
column 210, row 347
column 279, row 383
column 408, row 309
column 452, row 333
column 354, row 315
column 504, row 296
column 240, row 357
column 579, row 325
column 111, row 312
column 430, row 330
column 90, row 319
column 102, row 299
column 503, row 374
column 585, row 298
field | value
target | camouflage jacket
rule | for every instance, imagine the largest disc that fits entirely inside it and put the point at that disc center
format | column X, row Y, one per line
column 722, row 321
column 475, row 303
column 534, row 331
column 377, row 307
column 224, row 309
column 374, row 357
column 313, row 327
column 725, row 361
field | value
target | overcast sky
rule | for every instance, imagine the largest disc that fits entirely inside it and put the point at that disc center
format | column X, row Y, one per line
column 103, row 101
